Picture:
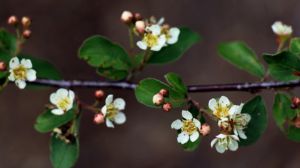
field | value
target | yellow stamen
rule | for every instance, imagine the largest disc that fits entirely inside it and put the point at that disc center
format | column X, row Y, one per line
column 111, row 111
column 64, row 103
column 150, row 39
column 221, row 111
column 188, row 126
column 20, row 72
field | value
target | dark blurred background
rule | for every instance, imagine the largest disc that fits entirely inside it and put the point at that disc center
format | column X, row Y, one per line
column 146, row 140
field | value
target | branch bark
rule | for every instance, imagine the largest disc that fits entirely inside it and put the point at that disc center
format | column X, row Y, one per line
column 248, row 87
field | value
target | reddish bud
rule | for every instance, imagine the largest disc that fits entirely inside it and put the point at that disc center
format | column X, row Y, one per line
column 126, row 17
column 167, row 107
column 98, row 118
column 158, row 99
column 140, row 26
column 99, row 94
column 137, row 16
column 205, row 129
column 26, row 34
column 26, row 22
column 297, row 122
column 164, row 92
column 295, row 102
column 296, row 73
column 2, row 66
column 12, row 20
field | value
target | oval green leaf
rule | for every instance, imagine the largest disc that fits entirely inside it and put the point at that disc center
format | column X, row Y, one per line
column 295, row 45
column 175, row 81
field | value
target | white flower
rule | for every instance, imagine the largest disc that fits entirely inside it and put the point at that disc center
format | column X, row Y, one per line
column 20, row 72
column 189, row 127
column 63, row 100
column 281, row 29
column 222, row 107
column 112, row 111
column 152, row 39
column 223, row 142
column 172, row 35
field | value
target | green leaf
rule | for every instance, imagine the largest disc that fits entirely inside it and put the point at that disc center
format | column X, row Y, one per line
column 8, row 43
column 137, row 61
column 176, row 82
column 282, row 110
column 3, row 80
column 186, row 40
column 293, row 133
column 47, row 121
column 5, row 57
column 258, row 123
column 191, row 146
column 295, row 45
column 63, row 155
column 106, row 56
column 282, row 66
column 240, row 55
column 147, row 88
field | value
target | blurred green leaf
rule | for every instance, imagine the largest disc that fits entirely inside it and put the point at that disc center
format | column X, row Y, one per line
column 191, row 146
column 175, row 81
column 47, row 121
column 295, row 45
column 282, row 66
column 240, row 55
column 63, row 155
column 109, row 58
column 293, row 133
column 148, row 87
column 186, row 40
column 8, row 43
column 258, row 123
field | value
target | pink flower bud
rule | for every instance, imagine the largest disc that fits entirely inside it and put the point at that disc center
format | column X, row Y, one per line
column 26, row 22
column 205, row 129
column 12, row 20
column 158, row 99
column 98, row 118
column 2, row 66
column 26, row 34
column 126, row 17
column 99, row 94
column 164, row 92
column 167, row 107
column 140, row 26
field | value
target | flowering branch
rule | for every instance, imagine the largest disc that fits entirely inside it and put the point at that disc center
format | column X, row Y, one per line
column 248, row 87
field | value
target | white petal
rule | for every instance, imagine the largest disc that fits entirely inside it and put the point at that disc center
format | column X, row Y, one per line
column 21, row 84
column 234, row 110
column 53, row 98
column 119, row 103
column 220, row 148
column 234, row 137
column 109, row 99
column 220, row 136
column 26, row 63
column 62, row 93
column 174, row 34
column 161, row 21
column 11, row 77
column 142, row 45
column 233, row 145
column 224, row 101
column 197, row 123
column 31, row 75
column 57, row 112
column 212, row 104
column 161, row 43
column 154, row 29
column 212, row 143
column 194, row 136
column 120, row 118
column 177, row 124
column 14, row 62
column 186, row 115
column 71, row 95
column 183, row 138
column 104, row 110
column 241, row 134
column 109, row 123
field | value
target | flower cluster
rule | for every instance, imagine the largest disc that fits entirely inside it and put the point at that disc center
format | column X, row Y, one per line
column 63, row 100
column 231, row 122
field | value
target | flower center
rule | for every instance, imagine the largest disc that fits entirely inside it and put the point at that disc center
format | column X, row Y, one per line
column 150, row 39
column 111, row 111
column 64, row 103
column 188, row 126
column 20, row 72
column 221, row 111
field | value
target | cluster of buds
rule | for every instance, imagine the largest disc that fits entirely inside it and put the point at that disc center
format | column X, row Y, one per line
column 134, row 20
column 159, row 99
column 25, row 22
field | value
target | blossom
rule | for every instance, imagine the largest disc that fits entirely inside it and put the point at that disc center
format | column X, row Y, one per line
column 188, row 126
column 224, row 142
column 222, row 107
column 281, row 29
column 112, row 111
column 172, row 35
column 20, row 72
column 63, row 100
column 152, row 39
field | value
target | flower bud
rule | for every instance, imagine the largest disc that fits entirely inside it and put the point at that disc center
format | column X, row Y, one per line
column 2, row 66
column 297, row 122
column 167, row 107
column 164, row 92
column 295, row 102
column 140, row 26
column 26, row 34
column 26, row 22
column 158, row 99
column 137, row 16
column 99, row 94
column 98, row 118
column 12, row 20
column 126, row 17
column 205, row 129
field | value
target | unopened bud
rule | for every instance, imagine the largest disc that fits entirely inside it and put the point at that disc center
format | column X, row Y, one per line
column 26, row 22
column 12, row 20
column 99, row 94
column 140, row 26
column 295, row 102
column 167, row 107
column 164, row 92
column 137, row 16
column 98, row 118
column 297, row 122
column 158, row 99
column 2, row 66
column 126, row 17
column 205, row 129
column 26, row 34
column 296, row 73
